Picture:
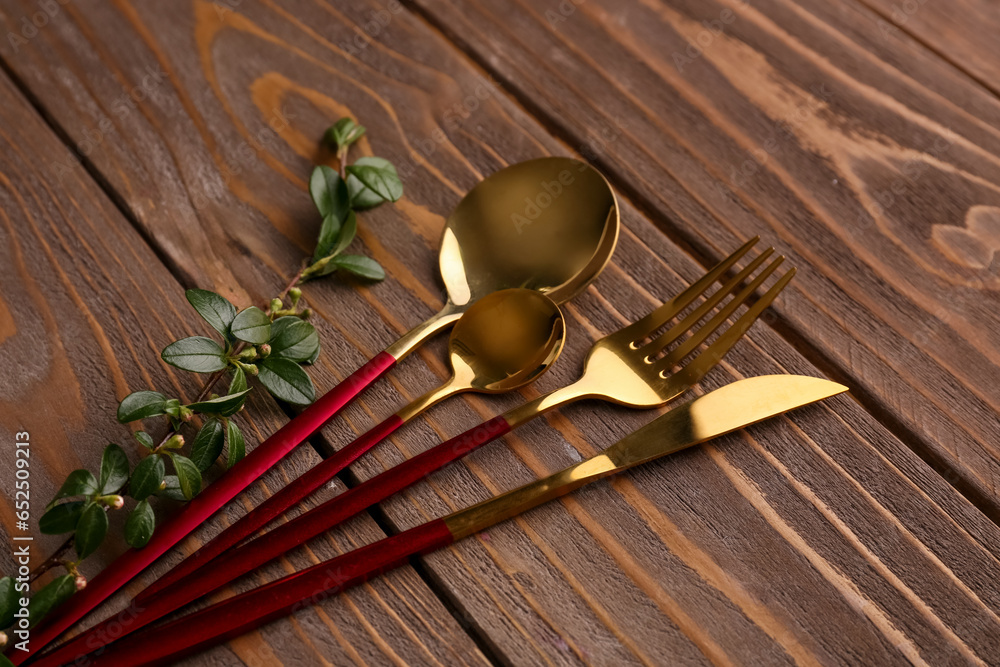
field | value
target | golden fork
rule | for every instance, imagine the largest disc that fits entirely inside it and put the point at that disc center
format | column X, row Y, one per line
column 635, row 366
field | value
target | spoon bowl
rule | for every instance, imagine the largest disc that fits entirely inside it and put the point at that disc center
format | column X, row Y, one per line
column 506, row 339
column 535, row 224
column 549, row 225
column 503, row 341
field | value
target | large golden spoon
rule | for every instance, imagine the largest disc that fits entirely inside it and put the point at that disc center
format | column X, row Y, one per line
column 549, row 224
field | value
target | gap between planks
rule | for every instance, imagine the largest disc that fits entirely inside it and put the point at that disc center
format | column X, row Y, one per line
column 984, row 84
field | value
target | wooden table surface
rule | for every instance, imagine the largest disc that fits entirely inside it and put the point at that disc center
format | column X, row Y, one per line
column 147, row 147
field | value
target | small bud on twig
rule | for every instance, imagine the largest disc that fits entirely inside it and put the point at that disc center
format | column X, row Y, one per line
column 80, row 581
column 3, row 639
column 116, row 502
column 264, row 350
column 163, row 484
column 176, row 441
column 294, row 294
column 306, row 314
column 276, row 304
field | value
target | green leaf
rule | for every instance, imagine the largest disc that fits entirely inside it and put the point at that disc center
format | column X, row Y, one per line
column 347, row 234
column 144, row 439
column 114, row 469
column 61, row 518
column 237, row 446
column 208, row 444
column 5, row 661
column 223, row 405
column 90, row 530
column 252, row 325
column 140, row 525
column 294, row 339
column 239, row 381
column 379, row 176
column 329, row 193
column 313, row 358
column 173, row 408
column 329, row 231
column 344, row 132
column 286, row 380
column 146, row 477
column 142, row 404
column 196, row 354
column 361, row 197
column 78, row 483
column 215, row 309
column 188, row 475
column 172, row 490
column 359, row 265
column 8, row 602
column 54, row 594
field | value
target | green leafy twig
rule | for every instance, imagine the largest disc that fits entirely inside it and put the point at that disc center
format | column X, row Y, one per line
column 273, row 344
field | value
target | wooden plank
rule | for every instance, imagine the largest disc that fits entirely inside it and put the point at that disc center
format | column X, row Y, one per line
column 86, row 308
column 868, row 156
column 963, row 32
column 815, row 539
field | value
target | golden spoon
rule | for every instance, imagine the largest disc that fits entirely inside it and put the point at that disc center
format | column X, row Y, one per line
column 549, row 224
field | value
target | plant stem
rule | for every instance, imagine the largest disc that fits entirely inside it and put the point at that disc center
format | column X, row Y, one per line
column 52, row 561
column 291, row 283
column 56, row 558
column 342, row 161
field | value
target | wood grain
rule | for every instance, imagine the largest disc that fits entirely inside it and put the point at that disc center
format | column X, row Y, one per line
column 814, row 539
column 870, row 158
column 88, row 307
column 963, row 32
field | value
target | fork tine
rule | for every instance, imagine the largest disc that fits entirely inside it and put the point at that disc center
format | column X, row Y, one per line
column 718, row 320
column 694, row 371
column 668, row 310
column 691, row 319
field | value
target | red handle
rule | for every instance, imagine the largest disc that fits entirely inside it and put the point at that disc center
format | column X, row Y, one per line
column 242, row 613
column 243, row 559
column 275, row 506
column 206, row 503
